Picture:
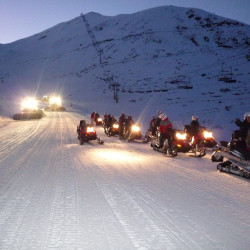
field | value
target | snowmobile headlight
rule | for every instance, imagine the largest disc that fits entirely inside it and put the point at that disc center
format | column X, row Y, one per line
column 181, row 136
column 115, row 125
column 208, row 134
column 29, row 104
column 135, row 128
column 90, row 130
column 99, row 119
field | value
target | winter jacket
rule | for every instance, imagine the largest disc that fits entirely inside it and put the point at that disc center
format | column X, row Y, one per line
column 245, row 126
column 121, row 120
column 194, row 127
column 165, row 126
column 152, row 123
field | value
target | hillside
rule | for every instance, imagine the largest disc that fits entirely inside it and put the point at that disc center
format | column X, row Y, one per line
column 153, row 55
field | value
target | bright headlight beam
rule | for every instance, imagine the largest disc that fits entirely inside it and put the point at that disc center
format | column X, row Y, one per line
column 208, row 134
column 181, row 136
column 135, row 128
column 29, row 103
column 55, row 100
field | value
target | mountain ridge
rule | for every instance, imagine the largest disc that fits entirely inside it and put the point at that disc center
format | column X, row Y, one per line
column 145, row 52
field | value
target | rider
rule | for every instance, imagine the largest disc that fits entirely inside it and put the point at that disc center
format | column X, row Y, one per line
column 194, row 126
column 128, row 125
column 165, row 129
column 105, row 119
column 153, row 125
column 122, row 119
column 152, row 128
column 92, row 118
column 241, row 138
column 110, row 121
column 81, row 128
column 96, row 116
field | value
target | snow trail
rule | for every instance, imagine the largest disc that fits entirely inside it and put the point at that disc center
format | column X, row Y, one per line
column 57, row 194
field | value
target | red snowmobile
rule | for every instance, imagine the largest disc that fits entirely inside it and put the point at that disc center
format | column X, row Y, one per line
column 87, row 133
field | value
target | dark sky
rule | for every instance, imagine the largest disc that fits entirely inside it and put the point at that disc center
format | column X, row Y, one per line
column 23, row 18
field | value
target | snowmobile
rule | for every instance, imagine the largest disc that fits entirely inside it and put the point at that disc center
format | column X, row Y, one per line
column 236, row 161
column 134, row 133
column 98, row 120
column 87, row 133
column 179, row 143
column 29, row 114
column 198, row 141
column 149, row 136
column 112, row 130
column 209, row 140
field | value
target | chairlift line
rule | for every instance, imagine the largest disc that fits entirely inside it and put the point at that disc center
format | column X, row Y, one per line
column 92, row 37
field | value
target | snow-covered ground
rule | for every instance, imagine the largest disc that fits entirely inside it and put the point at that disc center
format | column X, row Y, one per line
column 56, row 194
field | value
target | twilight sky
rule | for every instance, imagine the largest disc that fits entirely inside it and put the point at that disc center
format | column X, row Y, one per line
column 23, row 18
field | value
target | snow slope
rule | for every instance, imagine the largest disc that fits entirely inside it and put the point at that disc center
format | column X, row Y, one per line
column 56, row 194
column 145, row 53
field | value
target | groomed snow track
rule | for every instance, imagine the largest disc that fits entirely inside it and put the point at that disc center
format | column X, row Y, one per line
column 56, row 194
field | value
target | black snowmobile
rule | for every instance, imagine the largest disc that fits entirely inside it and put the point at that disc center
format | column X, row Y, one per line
column 237, row 161
column 237, row 151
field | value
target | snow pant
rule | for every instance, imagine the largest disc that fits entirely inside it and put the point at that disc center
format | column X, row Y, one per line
column 162, row 138
column 121, row 128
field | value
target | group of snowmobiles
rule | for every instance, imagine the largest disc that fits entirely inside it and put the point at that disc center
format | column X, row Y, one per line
column 126, row 128
column 180, row 141
column 184, row 142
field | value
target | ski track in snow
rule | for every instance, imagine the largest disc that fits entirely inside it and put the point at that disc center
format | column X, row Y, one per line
column 56, row 194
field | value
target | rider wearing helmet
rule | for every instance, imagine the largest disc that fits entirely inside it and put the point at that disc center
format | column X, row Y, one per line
column 194, row 126
column 165, row 129
column 81, row 128
column 153, row 125
column 128, row 125
column 122, row 119
column 241, row 138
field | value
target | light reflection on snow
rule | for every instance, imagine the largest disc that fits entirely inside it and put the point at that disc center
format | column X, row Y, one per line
column 118, row 155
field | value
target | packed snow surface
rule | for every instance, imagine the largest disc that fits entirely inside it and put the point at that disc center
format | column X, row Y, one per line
column 57, row 194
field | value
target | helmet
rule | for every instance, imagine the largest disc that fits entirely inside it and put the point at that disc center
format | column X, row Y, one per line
column 194, row 118
column 159, row 112
column 163, row 116
column 246, row 115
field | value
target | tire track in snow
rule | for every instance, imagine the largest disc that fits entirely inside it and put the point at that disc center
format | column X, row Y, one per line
column 18, row 138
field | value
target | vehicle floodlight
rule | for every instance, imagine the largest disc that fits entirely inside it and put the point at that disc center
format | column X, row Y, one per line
column 55, row 100
column 29, row 103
